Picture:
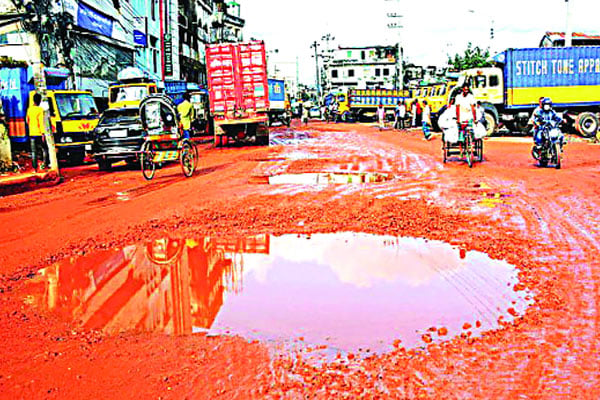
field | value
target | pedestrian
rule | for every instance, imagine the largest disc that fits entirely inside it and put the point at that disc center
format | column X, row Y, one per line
column 426, row 116
column 305, row 109
column 400, row 115
column 419, row 114
column 37, row 132
column 381, row 116
column 186, row 112
column 413, row 114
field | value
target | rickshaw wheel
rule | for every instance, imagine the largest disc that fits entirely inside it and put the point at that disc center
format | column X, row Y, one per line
column 147, row 160
column 188, row 159
column 469, row 150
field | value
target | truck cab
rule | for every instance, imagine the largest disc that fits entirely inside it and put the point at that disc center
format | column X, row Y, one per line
column 131, row 94
column 487, row 84
column 73, row 117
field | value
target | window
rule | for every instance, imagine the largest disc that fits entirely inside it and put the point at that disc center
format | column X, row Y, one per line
column 334, row 73
column 377, row 72
column 494, row 81
column 386, row 72
column 350, row 73
column 362, row 55
column 479, row 82
column 349, row 54
column 153, row 10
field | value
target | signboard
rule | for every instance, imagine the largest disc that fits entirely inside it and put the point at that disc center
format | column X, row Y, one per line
column 140, row 38
column 168, row 55
column 94, row 21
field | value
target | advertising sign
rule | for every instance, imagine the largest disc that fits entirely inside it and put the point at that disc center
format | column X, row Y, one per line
column 140, row 38
column 94, row 21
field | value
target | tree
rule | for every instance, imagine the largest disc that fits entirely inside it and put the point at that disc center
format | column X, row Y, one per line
column 474, row 57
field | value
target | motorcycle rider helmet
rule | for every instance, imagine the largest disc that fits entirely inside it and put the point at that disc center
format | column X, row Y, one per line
column 547, row 104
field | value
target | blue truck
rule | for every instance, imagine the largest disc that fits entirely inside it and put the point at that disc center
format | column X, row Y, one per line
column 570, row 76
column 279, row 109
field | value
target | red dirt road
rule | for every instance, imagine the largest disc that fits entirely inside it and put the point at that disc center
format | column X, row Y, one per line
column 544, row 221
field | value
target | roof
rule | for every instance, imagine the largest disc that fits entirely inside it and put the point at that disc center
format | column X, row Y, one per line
column 579, row 35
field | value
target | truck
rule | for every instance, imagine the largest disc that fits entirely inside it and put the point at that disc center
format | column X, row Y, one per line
column 238, row 91
column 363, row 103
column 131, row 87
column 509, row 93
column 73, row 113
column 279, row 105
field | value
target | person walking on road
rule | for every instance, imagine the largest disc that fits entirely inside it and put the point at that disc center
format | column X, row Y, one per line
column 186, row 112
column 37, row 132
column 400, row 114
column 381, row 116
column 419, row 111
column 426, row 120
column 413, row 114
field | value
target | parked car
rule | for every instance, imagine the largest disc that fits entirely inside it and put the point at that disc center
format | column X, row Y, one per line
column 118, row 136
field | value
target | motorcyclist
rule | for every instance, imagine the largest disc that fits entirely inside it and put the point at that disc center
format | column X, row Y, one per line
column 546, row 115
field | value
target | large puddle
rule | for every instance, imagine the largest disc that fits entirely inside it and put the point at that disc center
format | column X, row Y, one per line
column 341, row 292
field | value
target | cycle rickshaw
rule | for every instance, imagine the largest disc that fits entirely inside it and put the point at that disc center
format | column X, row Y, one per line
column 163, row 141
column 464, row 143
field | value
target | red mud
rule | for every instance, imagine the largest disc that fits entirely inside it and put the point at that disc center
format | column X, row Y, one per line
column 542, row 220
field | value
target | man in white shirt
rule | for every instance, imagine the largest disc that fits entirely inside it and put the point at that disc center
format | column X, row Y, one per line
column 465, row 106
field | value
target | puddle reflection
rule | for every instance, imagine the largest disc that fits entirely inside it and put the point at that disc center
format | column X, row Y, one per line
column 346, row 291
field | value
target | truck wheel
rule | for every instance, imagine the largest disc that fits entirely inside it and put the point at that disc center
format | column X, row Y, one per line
column 586, row 124
column 491, row 123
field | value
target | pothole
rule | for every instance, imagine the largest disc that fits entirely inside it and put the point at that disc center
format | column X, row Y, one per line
column 343, row 292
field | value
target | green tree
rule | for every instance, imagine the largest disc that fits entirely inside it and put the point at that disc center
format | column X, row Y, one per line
column 473, row 57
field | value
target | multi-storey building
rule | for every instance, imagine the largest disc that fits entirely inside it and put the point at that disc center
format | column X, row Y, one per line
column 371, row 67
column 164, row 38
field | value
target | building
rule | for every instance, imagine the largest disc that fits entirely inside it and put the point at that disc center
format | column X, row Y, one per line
column 371, row 67
column 227, row 22
column 92, row 39
column 557, row 39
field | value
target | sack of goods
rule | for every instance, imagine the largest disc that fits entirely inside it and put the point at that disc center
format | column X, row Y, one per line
column 479, row 132
column 451, row 134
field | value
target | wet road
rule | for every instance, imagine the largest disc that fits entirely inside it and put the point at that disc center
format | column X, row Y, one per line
column 323, row 179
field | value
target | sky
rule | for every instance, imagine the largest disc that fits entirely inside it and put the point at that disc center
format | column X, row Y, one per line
column 430, row 29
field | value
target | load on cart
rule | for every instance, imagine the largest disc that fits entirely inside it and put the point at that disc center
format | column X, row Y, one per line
column 463, row 128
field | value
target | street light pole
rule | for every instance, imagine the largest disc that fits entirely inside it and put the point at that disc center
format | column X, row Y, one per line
column 393, row 16
column 315, row 46
column 569, row 29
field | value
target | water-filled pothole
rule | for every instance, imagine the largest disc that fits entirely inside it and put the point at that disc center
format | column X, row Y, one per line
column 345, row 291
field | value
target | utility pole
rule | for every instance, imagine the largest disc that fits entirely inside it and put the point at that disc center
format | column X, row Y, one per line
column 315, row 46
column 569, row 29
column 394, row 24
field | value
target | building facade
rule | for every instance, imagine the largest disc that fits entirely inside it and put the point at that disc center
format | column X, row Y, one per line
column 95, row 39
column 372, row 67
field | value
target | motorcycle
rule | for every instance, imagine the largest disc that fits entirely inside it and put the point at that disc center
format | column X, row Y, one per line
column 551, row 148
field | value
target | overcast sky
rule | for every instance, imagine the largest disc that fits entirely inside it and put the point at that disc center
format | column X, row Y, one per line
column 431, row 29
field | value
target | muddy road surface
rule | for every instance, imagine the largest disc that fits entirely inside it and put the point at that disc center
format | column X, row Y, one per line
column 339, row 262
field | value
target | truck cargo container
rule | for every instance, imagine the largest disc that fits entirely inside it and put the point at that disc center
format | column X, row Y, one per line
column 238, row 91
column 570, row 76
